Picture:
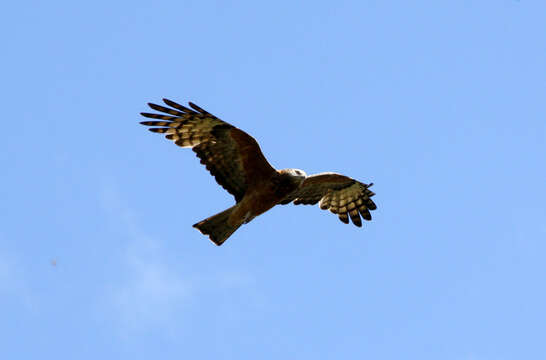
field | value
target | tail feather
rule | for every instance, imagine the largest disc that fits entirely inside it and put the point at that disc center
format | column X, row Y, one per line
column 217, row 227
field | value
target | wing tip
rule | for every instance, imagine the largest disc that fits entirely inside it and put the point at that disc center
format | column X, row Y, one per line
column 197, row 108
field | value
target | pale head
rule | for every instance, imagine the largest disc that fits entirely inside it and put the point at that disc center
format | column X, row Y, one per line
column 296, row 174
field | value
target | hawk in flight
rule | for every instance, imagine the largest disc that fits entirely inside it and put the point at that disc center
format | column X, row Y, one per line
column 234, row 158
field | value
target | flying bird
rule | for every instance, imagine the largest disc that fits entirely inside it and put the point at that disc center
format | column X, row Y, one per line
column 234, row 158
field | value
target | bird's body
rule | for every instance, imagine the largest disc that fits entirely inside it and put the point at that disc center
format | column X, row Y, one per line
column 266, row 193
column 234, row 158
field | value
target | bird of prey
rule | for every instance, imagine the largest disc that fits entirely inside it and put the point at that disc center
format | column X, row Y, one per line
column 234, row 158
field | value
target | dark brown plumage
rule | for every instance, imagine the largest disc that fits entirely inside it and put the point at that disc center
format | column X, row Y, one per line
column 235, row 160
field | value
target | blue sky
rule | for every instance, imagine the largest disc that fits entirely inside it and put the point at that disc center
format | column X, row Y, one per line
column 440, row 104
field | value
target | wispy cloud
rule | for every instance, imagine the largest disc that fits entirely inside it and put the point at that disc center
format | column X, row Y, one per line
column 150, row 291
column 12, row 279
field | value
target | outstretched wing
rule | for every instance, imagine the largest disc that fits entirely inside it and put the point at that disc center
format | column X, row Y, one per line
column 232, row 156
column 340, row 194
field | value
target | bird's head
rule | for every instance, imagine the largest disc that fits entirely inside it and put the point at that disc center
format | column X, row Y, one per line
column 296, row 174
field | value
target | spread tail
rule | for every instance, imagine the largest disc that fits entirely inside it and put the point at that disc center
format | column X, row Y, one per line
column 217, row 227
